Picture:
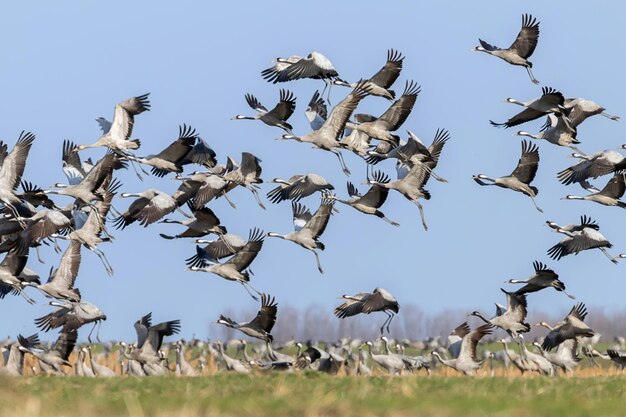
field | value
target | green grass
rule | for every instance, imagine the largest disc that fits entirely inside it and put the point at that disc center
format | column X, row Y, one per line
column 312, row 394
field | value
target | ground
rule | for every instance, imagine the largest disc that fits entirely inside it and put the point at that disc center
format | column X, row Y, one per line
column 311, row 394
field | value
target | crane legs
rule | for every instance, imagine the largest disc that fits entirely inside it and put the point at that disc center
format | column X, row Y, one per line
column 327, row 84
column 419, row 206
column 247, row 286
column 387, row 322
column 536, row 206
column 611, row 258
column 341, row 161
column 103, row 258
column 532, row 77
column 178, row 209
column 257, row 197
column 610, row 116
column 388, row 220
column 317, row 258
column 229, row 200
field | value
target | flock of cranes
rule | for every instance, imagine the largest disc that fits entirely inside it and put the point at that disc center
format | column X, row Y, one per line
column 31, row 218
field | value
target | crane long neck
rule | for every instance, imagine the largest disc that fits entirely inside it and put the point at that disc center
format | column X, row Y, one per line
column 271, row 234
column 480, row 316
column 530, row 135
column 386, row 346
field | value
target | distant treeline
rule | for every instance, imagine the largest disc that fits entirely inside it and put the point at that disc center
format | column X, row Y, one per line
column 319, row 323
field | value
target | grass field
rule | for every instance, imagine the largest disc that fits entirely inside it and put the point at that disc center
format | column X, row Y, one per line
column 312, row 394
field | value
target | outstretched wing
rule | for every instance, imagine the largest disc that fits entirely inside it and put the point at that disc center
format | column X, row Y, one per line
column 390, row 72
column 266, row 317
column 528, row 163
column 527, row 38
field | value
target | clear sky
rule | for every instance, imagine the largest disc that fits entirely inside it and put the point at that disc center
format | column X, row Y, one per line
column 65, row 63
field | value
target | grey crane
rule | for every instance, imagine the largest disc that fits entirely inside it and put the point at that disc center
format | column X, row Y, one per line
column 246, row 175
column 85, row 369
column 99, row 370
column 309, row 227
column 366, row 303
column 380, row 82
column 579, row 238
column 572, row 326
column 150, row 339
column 517, row 360
column 609, row 196
column 91, row 234
column 188, row 148
column 395, row 116
column 538, row 362
column 204, row 222
column 551, row 101
column 467, row 363
column 411, row 186
column 118, row 137
column 14, row 276
column 519, row 180
column 512, row 320
column 617, row 358
column 316, row 112
column 71, row 316
column 320, row 360
column 565, row 358
column 593, row 166
column 56, row 357
column 579, row 109
column 326, row 137
column 14, row 356
column 558, row 130
column 261, row 326
column 73, row 168
column 543, row 277
column 12, row 165
column 90, row 188
column 521, row 49
column 182, row 366
column 232, row 364
column 278, row 116
column 150, row 206
column 314, row 65
column 392, row 363
column 413, row 152
column 235, row 268
column 298, row 187
column 226, row 245
column 202, row 187
column 60, row 284
column 455, row 339
column 370, row 202
column 411, row 363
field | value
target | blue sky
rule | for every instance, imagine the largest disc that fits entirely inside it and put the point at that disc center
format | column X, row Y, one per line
column 64, row 64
